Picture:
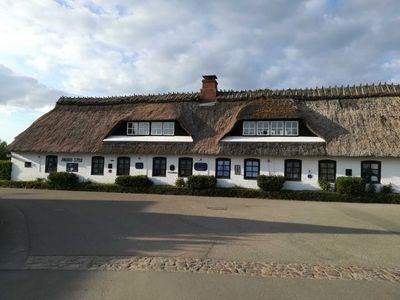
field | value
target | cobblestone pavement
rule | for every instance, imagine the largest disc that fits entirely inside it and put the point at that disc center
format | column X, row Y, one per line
column 212, row 266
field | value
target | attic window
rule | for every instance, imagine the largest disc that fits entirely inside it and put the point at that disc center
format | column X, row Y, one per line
column 271, row 128
column 150, row 128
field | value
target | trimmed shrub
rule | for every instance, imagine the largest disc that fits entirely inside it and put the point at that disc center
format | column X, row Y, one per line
column 63, row 180
column 350, row 185
column 201, row 182
column 270, row 183
column 324, row 184
column 387, row 188
column 133, row 181
column 180, row 183
column 5, row 169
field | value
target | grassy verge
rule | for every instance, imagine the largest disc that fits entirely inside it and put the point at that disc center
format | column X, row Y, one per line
column 218, row 192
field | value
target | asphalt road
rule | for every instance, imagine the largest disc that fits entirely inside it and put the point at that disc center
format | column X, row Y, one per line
column 58, row 223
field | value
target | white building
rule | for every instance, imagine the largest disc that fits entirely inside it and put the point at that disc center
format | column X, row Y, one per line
column 235, row 135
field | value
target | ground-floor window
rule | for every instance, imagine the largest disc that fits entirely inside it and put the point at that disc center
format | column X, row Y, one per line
column 51, row 163
column 371, row 171
column 251, row 168
column 223, row 168
column 159, row 166
column 123, row 165
column 327, row 170
column 185, row 168
column 293, row 169
column 97, row 165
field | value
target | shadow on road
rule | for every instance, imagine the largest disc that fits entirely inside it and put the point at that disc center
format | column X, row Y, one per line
column 90, row 227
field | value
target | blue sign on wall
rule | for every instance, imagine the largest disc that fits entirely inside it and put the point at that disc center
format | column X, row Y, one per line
column 72, row 167
column 139, row 165
column 200, row 166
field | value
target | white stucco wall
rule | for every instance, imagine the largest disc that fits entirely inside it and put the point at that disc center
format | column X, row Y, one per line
column 269, row 166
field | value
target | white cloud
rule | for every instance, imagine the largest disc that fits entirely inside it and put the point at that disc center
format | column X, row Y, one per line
column 121, row 47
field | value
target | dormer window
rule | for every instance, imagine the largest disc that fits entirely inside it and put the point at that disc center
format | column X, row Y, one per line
column 271, row 128
column 277, row 127
column 150, row 128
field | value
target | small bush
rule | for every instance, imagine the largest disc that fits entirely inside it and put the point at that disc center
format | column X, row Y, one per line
column 350, row 185
column 63, row 180
column 5, row 169
column 201, row 182
column 270, row 183
column 387, row 189
column 180, row 183
column 133, row 181
column 324, row 184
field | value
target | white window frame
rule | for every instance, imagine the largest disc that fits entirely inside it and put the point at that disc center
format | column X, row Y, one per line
column 289, row 126
column 132, row 128
column 262, row 126
column 275, row 129
column 159, row 129
column 249, row 128
column 144, row 128
column 168, row 128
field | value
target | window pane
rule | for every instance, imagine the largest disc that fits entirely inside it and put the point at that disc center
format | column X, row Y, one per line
column 262, row 128
column 293, row 170
column 252, row 169
column 249, row 128
column 159, row 166
column 144, row 128
column 327, row 170
column 223, row 168
column 97, row 165
column 156, row 128
column 123, row 165
column 291, row 128
column 168, row 128
column 132, row 128
column 371, row 171
column 277, row 127
column 185, row 167
column 51, row 163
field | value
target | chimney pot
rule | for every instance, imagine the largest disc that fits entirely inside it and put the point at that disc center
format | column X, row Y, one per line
column 208, row 92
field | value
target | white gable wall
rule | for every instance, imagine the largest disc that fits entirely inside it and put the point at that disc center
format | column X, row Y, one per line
column 269, row 166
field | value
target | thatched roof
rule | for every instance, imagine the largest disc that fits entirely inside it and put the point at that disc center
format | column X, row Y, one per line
column 354, row 121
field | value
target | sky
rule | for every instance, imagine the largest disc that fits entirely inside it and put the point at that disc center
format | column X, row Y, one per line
column 114, row 47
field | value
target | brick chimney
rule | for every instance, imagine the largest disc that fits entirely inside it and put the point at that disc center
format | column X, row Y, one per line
column 208, row 92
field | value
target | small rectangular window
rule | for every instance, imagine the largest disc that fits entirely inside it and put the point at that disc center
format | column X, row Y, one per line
column 156, row 128
column 123, row 165
column 327, row 170
column 251, row 168
column 168, row 128
column 223, row 168
column 51, row 163
column 97, row 165
column 159, row 166
column 262, row 128
column 293, row 169
column 132, row 128
column 249, row 127
column 291, row 128
column 238, row 170
column 185, row 167
column 371, row 171
column 144, row 128
column 277, row 127
column 349, row 172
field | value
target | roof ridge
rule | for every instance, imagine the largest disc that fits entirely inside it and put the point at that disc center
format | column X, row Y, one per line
column 332, row 92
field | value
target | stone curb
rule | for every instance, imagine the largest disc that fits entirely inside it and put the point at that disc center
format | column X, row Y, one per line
column 212, row 266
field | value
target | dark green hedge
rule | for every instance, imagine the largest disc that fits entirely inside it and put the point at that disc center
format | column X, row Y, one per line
column 201, row 182
column 270, row 183
column 219, row 192
column 133, row 181
column 63, row 180
column 350, row 185
column 5, row 169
